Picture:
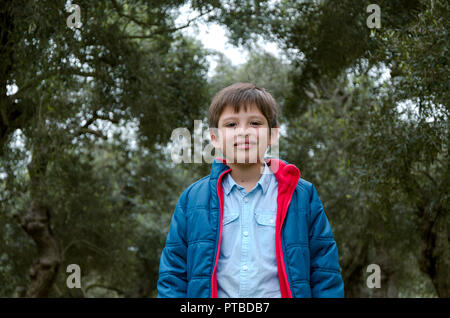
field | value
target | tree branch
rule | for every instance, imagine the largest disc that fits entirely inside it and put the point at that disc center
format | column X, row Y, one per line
column 131, row 18
column 426, row 174
column 92, row 246
column 35, row 81
column 171, row 30
column 102, row 117
column 84, row 130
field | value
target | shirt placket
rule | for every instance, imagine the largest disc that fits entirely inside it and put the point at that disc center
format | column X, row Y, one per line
column 244, row 270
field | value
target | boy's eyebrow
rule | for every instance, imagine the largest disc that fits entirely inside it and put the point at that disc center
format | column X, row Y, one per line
column 236, row 117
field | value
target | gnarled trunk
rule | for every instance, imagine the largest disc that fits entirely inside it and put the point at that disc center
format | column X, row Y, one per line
column 44, row 269
column 435, row 257
column 36, row 223
column 353, row 271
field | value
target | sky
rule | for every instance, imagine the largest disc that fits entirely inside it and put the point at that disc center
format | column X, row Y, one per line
column 213, row 36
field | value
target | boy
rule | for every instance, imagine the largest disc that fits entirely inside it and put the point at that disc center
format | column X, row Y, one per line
column 252, row 228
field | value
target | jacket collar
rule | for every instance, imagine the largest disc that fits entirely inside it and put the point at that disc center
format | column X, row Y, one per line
column 283, row 171
column 263, row 181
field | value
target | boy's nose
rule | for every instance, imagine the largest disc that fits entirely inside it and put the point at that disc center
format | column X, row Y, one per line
column 245, row 130
column 241, row 130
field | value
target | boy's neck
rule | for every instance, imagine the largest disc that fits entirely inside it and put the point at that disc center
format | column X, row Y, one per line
column 246, row 174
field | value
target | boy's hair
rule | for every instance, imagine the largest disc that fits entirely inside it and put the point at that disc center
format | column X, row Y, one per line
column 242, row 95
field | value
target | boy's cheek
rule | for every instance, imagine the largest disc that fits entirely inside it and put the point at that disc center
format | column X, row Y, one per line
column 228, row 148
column 264, row 133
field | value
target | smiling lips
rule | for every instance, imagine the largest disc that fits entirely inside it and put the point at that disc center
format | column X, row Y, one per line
column 244, row 145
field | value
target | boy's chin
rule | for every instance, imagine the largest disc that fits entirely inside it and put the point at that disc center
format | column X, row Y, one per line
column 244, row 160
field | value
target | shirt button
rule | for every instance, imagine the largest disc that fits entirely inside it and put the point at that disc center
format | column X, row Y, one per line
column 271, row 221
column 245, row 267
column 245, row 199
column 245, row 233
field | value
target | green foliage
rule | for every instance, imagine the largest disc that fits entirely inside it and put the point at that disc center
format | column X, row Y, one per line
column 126, row 70
column 365, row 114
column 367, row 118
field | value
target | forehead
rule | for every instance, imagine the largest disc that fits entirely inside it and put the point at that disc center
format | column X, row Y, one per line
column 229, row 113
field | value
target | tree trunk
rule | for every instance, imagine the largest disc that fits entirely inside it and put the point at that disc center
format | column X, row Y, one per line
column 353, row 271
column 433, row 214
column 435, row 256
column 36, row 223
column 6, row 27
column 15, row 112
column 44, row 269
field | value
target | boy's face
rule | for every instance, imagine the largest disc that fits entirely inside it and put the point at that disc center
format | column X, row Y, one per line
column 243, row 137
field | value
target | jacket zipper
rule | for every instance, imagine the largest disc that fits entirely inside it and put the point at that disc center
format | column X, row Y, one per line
column 214, row 275
column 281, row 256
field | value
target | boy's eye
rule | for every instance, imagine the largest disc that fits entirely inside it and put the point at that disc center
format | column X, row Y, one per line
column 255, row 123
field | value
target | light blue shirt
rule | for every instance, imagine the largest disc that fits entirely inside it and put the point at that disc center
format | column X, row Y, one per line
column 247, row 264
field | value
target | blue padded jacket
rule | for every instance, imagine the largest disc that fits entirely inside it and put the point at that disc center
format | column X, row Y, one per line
column 306, row 252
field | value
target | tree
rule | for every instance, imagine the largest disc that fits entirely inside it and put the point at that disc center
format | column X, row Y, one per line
column 127, row 63
column 391, row 155
column 329, row 42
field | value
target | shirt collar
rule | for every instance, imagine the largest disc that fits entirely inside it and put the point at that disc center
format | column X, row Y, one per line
column 263, row 181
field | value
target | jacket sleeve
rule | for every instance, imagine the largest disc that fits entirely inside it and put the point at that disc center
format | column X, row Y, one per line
column 325, row 277
column 172, row 280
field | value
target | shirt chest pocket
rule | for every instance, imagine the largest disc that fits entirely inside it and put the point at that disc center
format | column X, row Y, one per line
column 230, row 218
column 264, row 228
column 265, row 217
column 230, row 234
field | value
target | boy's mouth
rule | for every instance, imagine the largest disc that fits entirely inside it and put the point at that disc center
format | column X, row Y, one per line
column 244, row 144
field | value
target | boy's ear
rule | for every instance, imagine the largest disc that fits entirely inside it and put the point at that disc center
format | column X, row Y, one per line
column 273, row 135
column 214, row 134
